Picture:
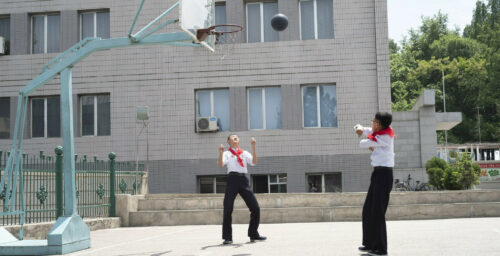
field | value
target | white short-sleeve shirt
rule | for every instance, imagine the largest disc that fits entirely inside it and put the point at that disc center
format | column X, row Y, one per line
column 383, row 153
column 232, row 161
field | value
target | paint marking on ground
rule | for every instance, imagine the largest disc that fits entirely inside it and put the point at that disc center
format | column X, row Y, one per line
column 132, row 241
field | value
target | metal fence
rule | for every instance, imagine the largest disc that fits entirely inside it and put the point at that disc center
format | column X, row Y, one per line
column 43, row 186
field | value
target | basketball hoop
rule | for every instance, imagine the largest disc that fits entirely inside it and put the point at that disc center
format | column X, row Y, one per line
column 225, row 37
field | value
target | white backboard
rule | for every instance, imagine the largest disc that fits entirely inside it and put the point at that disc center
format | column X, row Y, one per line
column 197, row 14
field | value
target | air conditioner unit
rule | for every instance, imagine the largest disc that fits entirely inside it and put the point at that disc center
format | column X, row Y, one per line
column 207, row 124
column 2, row 46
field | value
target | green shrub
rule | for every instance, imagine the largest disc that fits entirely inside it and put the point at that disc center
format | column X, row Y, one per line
column 455, row 176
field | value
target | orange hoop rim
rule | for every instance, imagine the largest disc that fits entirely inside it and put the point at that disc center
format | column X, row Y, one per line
column 202, row 33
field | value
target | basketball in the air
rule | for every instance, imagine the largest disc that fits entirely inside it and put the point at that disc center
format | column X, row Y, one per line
column 279, row 22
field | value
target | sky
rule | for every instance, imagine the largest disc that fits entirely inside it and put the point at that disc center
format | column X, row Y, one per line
column 406, row 14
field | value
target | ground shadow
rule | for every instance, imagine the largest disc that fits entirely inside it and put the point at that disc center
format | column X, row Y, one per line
column 147, row 253
column 227, row 245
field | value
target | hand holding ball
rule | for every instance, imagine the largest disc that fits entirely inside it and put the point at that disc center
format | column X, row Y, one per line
column 279, row 22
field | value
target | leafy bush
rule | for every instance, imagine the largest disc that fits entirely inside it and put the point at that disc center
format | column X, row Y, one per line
column 454, row 176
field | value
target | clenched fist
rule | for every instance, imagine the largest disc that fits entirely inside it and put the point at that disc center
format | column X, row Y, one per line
column 221, row 148
column 253, row 141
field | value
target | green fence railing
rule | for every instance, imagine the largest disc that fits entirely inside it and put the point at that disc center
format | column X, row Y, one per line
column 97, row 181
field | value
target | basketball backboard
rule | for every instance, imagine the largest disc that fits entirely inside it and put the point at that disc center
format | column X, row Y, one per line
column 198, row 14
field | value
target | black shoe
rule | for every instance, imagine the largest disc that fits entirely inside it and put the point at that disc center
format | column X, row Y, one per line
column 377, row 253
column 363, row 248
column 259, row 238
column 227, row 241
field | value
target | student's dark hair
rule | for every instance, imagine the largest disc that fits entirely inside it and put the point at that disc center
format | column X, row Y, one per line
column 229, row 137
column 384, row 118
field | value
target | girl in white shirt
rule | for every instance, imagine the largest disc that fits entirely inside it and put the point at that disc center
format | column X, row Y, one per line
column 380, row 140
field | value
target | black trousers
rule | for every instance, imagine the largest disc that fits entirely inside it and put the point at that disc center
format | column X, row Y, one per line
column 239, row 185
column 377, row 200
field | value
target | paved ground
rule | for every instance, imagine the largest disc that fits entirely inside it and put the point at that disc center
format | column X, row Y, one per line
column 471, row 237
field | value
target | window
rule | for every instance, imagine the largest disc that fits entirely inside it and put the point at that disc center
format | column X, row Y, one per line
column 316, row 19
column 5, row 32
column 324, row 182
column 259, row 22
column 264, row 105
column 45, row 117
column 95, row 115
column 214, row 103
column 45, row 37
column 319, row 105
column 94, row 24
column 212, row 184
column 220, row 19
column 272, row 183
column 4, row 118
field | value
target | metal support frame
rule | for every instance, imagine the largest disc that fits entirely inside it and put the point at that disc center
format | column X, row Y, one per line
column 69, row 233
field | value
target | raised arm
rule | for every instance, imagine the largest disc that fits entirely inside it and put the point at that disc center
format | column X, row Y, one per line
column 221, row 152
column 254, row 151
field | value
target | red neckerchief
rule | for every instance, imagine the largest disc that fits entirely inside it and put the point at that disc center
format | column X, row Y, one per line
column 237, row 154
column 387, row 131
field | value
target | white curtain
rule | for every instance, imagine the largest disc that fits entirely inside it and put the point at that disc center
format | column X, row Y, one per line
column 310, row 106
column 221, row 108
column 328, row 105
column 255, row 108
column 87, row 25
column 37, row 35
column 270, row 9
column 53, row 33
column 253, row 24
column 307, row 19
column 325, row 19
column 273, row 108
column 103, row 24
column 203, row 103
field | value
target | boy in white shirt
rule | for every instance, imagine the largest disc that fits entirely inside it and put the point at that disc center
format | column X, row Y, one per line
column 237, row 160
column 380, row 140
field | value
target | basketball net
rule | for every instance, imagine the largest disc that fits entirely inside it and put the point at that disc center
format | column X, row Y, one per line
column 224, row 45
column 225, row 38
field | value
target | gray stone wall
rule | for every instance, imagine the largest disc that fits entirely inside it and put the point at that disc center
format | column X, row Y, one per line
column 165, row 78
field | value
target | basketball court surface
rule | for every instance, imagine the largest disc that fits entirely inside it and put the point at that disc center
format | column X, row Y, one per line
column 475, row 236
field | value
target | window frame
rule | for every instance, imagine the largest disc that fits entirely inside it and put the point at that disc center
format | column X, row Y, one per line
column 262, row 24
column 7, row 40
column 45, row 22
column 323, row 184
column 269, row 181
column 94, row 96
column 264, row 115
column 214, row 180
column 318, row 106
column 94, row 12
column 315, row 11
column 7, row 99
column 45, row 123
column 212, row 105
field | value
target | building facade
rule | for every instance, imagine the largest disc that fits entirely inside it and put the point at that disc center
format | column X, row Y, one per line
column 298, row 92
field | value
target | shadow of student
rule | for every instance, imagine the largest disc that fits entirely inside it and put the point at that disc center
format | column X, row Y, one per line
column 147, row 253
column 227, row 245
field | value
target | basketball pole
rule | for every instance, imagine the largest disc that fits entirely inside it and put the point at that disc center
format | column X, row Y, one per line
column 70, row 233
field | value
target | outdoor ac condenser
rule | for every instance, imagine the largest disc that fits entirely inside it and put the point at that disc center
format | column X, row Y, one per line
column 207, row 124
column 2, row 45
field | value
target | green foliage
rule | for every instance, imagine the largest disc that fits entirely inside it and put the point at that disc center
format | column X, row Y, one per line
column 450, row 178
column 470, row 64
column 435, row 176
column 435, row 171
column 455, row 176
column 469, row 172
